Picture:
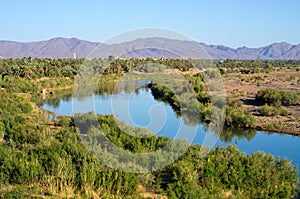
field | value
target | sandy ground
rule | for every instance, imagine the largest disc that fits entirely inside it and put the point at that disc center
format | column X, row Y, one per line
column 245, row 86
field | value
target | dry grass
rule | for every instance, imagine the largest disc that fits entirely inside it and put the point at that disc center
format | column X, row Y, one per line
column 148, row 194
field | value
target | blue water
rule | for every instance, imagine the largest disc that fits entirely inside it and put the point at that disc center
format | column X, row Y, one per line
column 141, row 109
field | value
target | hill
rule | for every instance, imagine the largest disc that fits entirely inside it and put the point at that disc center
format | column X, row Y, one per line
column 144, row 47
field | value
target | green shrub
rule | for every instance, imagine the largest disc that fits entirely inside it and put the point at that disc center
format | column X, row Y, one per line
column 277, row 97
column 223, row 170
column 65, row 121
column 26, row 108
column 273, row 111
column 239, row 118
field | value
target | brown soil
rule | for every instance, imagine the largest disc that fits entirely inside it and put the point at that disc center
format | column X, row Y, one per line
column 245, row 86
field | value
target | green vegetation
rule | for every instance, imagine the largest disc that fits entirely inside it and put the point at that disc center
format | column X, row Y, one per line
column 38, row 159
column 50, row 161
column 273, row 111
column 224, row 171
column 255, row 66
column 239, row 118
column 41, row 158
column 278, row 97
column 32, row 68
column 235, row 116
column 32, row 75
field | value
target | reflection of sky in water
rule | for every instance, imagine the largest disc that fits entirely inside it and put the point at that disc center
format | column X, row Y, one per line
column 138, row 110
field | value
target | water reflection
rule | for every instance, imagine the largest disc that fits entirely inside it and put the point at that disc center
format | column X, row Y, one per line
column 54, row 99
column 229, row 134
column 141, row 98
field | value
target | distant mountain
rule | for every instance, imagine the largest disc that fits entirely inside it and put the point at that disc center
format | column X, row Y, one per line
column 144, row 47
column 53, row 48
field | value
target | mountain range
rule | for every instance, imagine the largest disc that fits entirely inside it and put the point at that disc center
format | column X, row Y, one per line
column 144, row 47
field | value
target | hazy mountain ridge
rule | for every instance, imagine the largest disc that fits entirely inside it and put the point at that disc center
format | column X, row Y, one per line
column 53, row 48
column 144, row 47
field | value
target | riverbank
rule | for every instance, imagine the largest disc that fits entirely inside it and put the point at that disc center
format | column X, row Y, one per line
column 46, row 159
column 242, row 81
column 278, row 124
column 288, row 124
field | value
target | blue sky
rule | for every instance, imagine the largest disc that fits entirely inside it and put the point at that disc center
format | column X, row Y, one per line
column 229, row 22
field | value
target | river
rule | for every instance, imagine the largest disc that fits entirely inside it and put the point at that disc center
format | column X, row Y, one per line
column 138, row 107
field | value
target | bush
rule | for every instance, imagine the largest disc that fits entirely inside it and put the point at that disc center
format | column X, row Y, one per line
column 234, row 103
column 223, row 170
column 65, row 121
column 239, row 118
column 273, row 111
column 277, row 97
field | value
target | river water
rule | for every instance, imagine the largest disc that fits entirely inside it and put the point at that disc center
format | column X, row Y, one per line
column 138, row 107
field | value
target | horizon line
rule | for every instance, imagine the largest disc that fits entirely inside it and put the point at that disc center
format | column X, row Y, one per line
column 191, row 40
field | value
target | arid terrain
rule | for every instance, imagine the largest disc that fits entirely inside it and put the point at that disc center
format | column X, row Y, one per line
column 245, row 87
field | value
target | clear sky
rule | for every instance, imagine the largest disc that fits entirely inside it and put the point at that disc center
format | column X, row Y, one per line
column 234, row 23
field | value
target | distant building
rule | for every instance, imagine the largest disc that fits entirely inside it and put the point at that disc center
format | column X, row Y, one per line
column 74, row 55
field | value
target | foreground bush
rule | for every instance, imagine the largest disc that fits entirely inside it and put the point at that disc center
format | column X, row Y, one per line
column 228, row 172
